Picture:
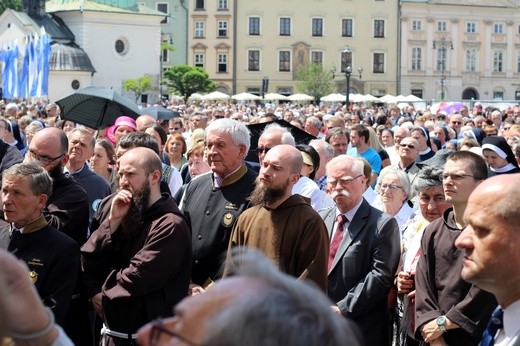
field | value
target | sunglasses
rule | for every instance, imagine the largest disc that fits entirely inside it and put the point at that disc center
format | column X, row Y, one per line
column 456, row 122
column 260, row 151
column 409, row 146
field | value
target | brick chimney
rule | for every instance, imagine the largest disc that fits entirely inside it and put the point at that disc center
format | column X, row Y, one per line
column 34, row 8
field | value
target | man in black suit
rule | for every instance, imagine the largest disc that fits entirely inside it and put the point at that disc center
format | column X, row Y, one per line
column 364, row 251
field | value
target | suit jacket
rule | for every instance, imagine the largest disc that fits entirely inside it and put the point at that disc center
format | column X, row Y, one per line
column 362, row 273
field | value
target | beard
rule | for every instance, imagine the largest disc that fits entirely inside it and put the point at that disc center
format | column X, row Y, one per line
column 263, row 195
column 56, row 172
column 133, row 222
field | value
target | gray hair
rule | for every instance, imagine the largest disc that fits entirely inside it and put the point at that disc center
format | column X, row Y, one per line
column 315, row 122
column 286, row 135
column 39, row 179
column 357, row 166
column 288, row 312
column 319, row 144
column 83, row 131
column 401, row 175
column 236, row 129
column 427, row 178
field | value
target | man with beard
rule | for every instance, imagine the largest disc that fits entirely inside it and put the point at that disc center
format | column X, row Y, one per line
column 67, row 207
column 364, row 251
column 282, row 225
column 137, row 264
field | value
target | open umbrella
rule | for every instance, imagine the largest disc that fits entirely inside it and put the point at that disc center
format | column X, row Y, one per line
column 451, row 107
column 215, row 96
column 245, row 97
column 159, row 113
column 333, row 98
column 96, row 107
column 300, row 97
column 300, row 136
column 275, row 97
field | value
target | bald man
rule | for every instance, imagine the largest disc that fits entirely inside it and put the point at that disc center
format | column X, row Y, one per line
column 144, row 121
column 137, row 264
column 491, row 241
column 282, row 225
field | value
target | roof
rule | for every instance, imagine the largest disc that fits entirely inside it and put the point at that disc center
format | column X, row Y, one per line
column 69, row 58
column 53, row 25
column 113, row 6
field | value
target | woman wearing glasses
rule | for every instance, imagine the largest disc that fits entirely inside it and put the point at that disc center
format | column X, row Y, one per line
column 394, row 191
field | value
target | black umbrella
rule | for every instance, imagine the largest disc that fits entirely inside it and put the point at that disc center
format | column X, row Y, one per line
column 300, row 136
column 160, row 113
column 96, row 107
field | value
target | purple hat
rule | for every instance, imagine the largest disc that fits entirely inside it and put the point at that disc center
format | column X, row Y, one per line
column 124, row 120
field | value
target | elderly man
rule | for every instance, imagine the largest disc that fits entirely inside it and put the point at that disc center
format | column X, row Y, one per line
column 338, row 138
column 144, row 121
column 52, row 258
column 313, row 126
column 326, row 153
column 449, row 310
column 213, row 202
column 364, row 251
column 272, row 135
column 456, row 123
column 257, row 306
column 408, row 153
column 81, row 148
column 299, row 245
column 137, row 264
column 67, row 207
column 490, row 242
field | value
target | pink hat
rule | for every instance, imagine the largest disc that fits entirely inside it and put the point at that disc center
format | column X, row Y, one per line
column 124, row 120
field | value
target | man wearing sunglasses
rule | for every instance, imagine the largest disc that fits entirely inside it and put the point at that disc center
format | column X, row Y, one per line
column 408, row 153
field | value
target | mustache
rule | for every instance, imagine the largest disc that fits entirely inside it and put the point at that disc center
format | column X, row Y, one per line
column 341, row 192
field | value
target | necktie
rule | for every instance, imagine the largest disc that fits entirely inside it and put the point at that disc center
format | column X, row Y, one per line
column 495, row 323
column 336, row 240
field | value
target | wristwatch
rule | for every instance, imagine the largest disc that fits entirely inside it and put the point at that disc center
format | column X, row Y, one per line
column 441, row 323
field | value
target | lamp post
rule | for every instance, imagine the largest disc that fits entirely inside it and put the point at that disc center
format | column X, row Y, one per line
column 442, row 58
column 346, row 60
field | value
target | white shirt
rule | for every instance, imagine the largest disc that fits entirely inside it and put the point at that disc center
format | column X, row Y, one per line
column 510, row 334
column 349, row 215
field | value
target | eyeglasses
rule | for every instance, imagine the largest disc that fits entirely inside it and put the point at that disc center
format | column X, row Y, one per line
column 392, row 187
column 44, row 160
column 343, row 181
column 456, row 122
column 409, row 146
column 174, row 128
column 264, row 151
column 454, row 177
column 158, row 329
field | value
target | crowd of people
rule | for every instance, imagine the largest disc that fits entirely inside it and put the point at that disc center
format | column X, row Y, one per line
column 383, row 225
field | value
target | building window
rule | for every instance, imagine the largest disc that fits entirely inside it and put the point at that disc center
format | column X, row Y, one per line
column 379, row 63
column 317, row 27
column 379, row 28
column 284, row 61
column 199, row 29
column 498, row 95
column 441, row 59
column 442, row 26
column 222, row 5
column 222, row 62
column 498, row 61
column 498, row 28
column 254, row 26
column 317, row 58
column 253, row 60
column 199, row 60
column 121, row 46
column 163, row 7
column 199, row 4
column 346, row 28
column 416, row 58
column 471, row 60
column 285, row 26
column 222, row 28
column 471, row 27
column 416, row 25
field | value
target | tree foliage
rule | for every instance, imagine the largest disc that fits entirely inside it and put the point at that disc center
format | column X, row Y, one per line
column 12, row 4
column 138, row 86
column 185, row 80
column 313, row 80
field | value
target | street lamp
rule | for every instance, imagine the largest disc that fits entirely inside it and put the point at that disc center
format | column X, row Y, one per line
column 348, row 73
column 441, row 60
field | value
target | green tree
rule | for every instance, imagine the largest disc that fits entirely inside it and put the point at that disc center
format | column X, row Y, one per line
column 138, row 86
column 185, row 80
column 313, row 80
column 12, row 4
